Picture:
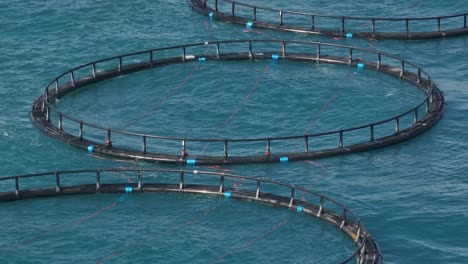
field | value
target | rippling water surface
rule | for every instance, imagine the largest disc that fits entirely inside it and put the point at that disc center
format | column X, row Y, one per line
column 412, row 197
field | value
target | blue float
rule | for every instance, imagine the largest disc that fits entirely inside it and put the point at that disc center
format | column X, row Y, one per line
column 349, row 35
column 201, row 59
column 284, row 159
column 227, row 194
column 360, row 65
column 90, row 149
column 210, row 14
column 300, row 208
column 128, row 189
column 275, row 56
column 190, row 161
column 249, row 24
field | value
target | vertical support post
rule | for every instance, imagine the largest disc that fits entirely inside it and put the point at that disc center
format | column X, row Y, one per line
column 108, row 140
column 341, row 140
column 250, row 49
column 373, row 26
column 57, row 182
column 120, row 63
column 151, row 57
column 184, row 151
column 46, row 94
column 225, row 149
column 438, row 24
column 427, row 105
column 57, row 85
column 17, row 187
column 293, row 195
column 257, row 192
column 372, row 133
column 233, row 8
column 81, row 130
column 268, row 150
column 60, row 123
column 397, row 125
column 181, row 183
column 415, row 119
column 216, row 5
column 217, row 50
column 281, row 17
column 464, row 20
column 313, row 22
column 98, row 181
column 47, row 113
column 221, row 183
column 183, row 53
column 358, row 234
column 94, row 70
column 344, row 218
column 419, row 75
column 283, row 49
column 306, row 139
column 350, row 59
column 72, row 78
column 407, row 26
column 254, row 18
column 144, row 144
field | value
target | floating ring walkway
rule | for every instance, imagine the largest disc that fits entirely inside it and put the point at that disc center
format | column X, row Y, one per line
column 50, row 120
column 337, row 26
column 261, row 191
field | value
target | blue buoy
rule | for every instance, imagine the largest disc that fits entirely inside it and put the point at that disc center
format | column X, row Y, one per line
column 190, row 161
column 300, row 208
column 227, row 194
column 349, row 35
column 210, row 14
column 249, row 24
column 128, row 189
column 90, row 149
column 201, row 59
column 275, row 56
column 284, row 159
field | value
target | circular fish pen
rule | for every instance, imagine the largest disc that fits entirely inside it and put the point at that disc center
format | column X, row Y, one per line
column 423, row 116
column 214, row 184
column 337, row 26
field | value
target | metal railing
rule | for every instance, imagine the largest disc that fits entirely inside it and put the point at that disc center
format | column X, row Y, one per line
column 400, row 68
column 347, row 218
column 339, row 24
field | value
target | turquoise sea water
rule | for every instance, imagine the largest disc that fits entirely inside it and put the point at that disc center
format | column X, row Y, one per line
column 412, row 197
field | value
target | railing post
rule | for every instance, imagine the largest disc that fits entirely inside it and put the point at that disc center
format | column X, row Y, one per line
column 98, row 181
column 379, row 60
column 94, row 70
column 419, row 75
column 397, row 125
column 464, row 21
column 341, row 140
column 57, row 182
column 56, row 86
column 268, row 150
column 350, row 59
column 108, row 140
column 407, row 26
column 372, row 133
column 233, row 8
column 151, row 57
column 306, row 139
column 221, row 183
column 318, row 51
column 313, row 22
column 17, row 187
column 344, row 218
column 47, row 113
column 46, row 94
column 257, row 192
column 60, row 123
column 415, row 119
column 254, row 18
column 72, row 78
column 321, row 206
column 438, row 24
column 120, row 63
column 217, row 50
column 342, row 25
column 358, row 234
column 183, row 53
column 373, row 26
column 281, row 17
column 225, row 149
column 283, row 49
column 81, row 130
column 140, row 180
column 144, row 144
column 184, row 150
column 250, row 49
column 402, row 68
column 293, row 195
column 181, row 183
column 216, row 5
